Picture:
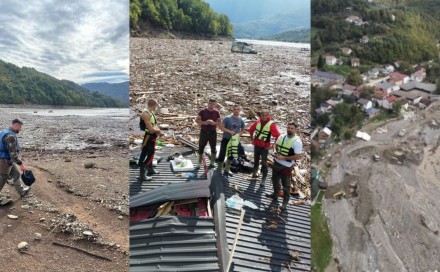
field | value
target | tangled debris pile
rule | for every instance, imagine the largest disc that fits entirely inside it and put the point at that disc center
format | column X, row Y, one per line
column 182, row 74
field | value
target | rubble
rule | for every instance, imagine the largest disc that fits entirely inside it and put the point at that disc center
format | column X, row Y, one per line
column 391, row 204
column 22, row 246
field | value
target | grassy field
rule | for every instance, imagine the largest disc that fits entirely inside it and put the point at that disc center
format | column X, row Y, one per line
column 321, row 240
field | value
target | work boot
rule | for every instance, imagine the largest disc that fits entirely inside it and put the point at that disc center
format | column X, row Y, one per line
column 285, row 201
column 199, row 161
column 5, row 201
column 24, row 192
column 220, row 166
column 151, row 171
column 212, row 159
column 263, row 180
column 21, row 191
column 142, row 176
column 284, row 205
column 254, row 174
column 274, row 197
column 227, row 171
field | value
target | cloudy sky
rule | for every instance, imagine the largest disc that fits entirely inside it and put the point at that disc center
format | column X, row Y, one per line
column 82, row 41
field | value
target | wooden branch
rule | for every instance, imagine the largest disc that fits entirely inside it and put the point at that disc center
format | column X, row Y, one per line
column 82, row 250
column 237, row 234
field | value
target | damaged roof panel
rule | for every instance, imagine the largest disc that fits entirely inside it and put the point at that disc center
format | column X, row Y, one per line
column 178, row 191
column 173, row 244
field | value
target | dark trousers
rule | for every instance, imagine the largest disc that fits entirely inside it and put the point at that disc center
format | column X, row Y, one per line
column 11, row 171
column 204, row 138
column 222, row 153
column 285, row 181
column 260, row 152
column 147, row 154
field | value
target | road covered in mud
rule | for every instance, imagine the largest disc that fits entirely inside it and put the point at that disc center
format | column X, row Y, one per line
column 388, row 220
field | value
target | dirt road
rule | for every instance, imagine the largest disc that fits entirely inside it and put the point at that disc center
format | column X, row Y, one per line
column 389, row 219
column 67, row 198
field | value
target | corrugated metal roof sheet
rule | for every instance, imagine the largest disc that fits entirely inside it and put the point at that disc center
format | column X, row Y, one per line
column 260, row 248
column 166, row 176
column 177, row 191
column 173, row 244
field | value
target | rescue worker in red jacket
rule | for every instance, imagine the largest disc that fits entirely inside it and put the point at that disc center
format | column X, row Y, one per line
column 261, row 132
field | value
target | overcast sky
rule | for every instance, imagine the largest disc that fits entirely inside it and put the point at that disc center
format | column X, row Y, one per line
column 82, row 41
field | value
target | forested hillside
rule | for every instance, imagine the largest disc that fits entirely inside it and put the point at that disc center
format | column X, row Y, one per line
column 396, row 29
column 28, row 86
column 183, row 15
column 299, row 36
column 118, row 91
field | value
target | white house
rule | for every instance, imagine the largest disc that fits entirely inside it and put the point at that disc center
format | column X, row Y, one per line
column 389, row 68
column 330, row 60
column 374, row 73
column 364, row 39
column 387, row 87
column 324, row 135
column 389, row 102
column 366, row 104
column 355, row 62
column 354, row 20
column 346, row 51
column 418, row 75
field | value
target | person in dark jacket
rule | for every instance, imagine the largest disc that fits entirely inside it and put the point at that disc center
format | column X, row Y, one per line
column 152, row 132
column 9, row 159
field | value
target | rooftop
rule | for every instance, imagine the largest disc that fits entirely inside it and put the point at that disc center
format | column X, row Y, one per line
column 175, row 243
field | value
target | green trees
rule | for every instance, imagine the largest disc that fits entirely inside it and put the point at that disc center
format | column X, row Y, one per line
column 184, row 15
column 354, row 78
column 320, row 62
column 397, row 107
column 411, row 37
column 28, row 86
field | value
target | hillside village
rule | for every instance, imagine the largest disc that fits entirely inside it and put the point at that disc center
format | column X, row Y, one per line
column 378, row 91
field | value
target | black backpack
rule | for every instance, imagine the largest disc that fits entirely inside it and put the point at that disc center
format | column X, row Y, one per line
column 142, row 124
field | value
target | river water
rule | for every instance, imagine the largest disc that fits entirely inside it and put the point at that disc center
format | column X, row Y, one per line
column 68, row 128
column 84, row 112
column 275, row 43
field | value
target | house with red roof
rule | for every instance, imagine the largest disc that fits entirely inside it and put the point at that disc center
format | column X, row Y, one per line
column 398, row 78
column 389, row 102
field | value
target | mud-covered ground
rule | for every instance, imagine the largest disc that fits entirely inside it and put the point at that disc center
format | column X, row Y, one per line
column 388, row 220
column 68, row 199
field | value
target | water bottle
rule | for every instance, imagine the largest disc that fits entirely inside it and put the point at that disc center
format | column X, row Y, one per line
column 188, row 175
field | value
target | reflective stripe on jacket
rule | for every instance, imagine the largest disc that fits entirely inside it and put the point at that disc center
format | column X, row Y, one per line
column 232, row 147
column 263, row 133
column 152, row 119
column 284, row 144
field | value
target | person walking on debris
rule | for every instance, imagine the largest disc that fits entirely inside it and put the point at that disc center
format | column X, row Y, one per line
column 288, row 150
column 261, row 132
column 208, row 118
column 148, row 123
column 232, row 126
column 9, row 158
